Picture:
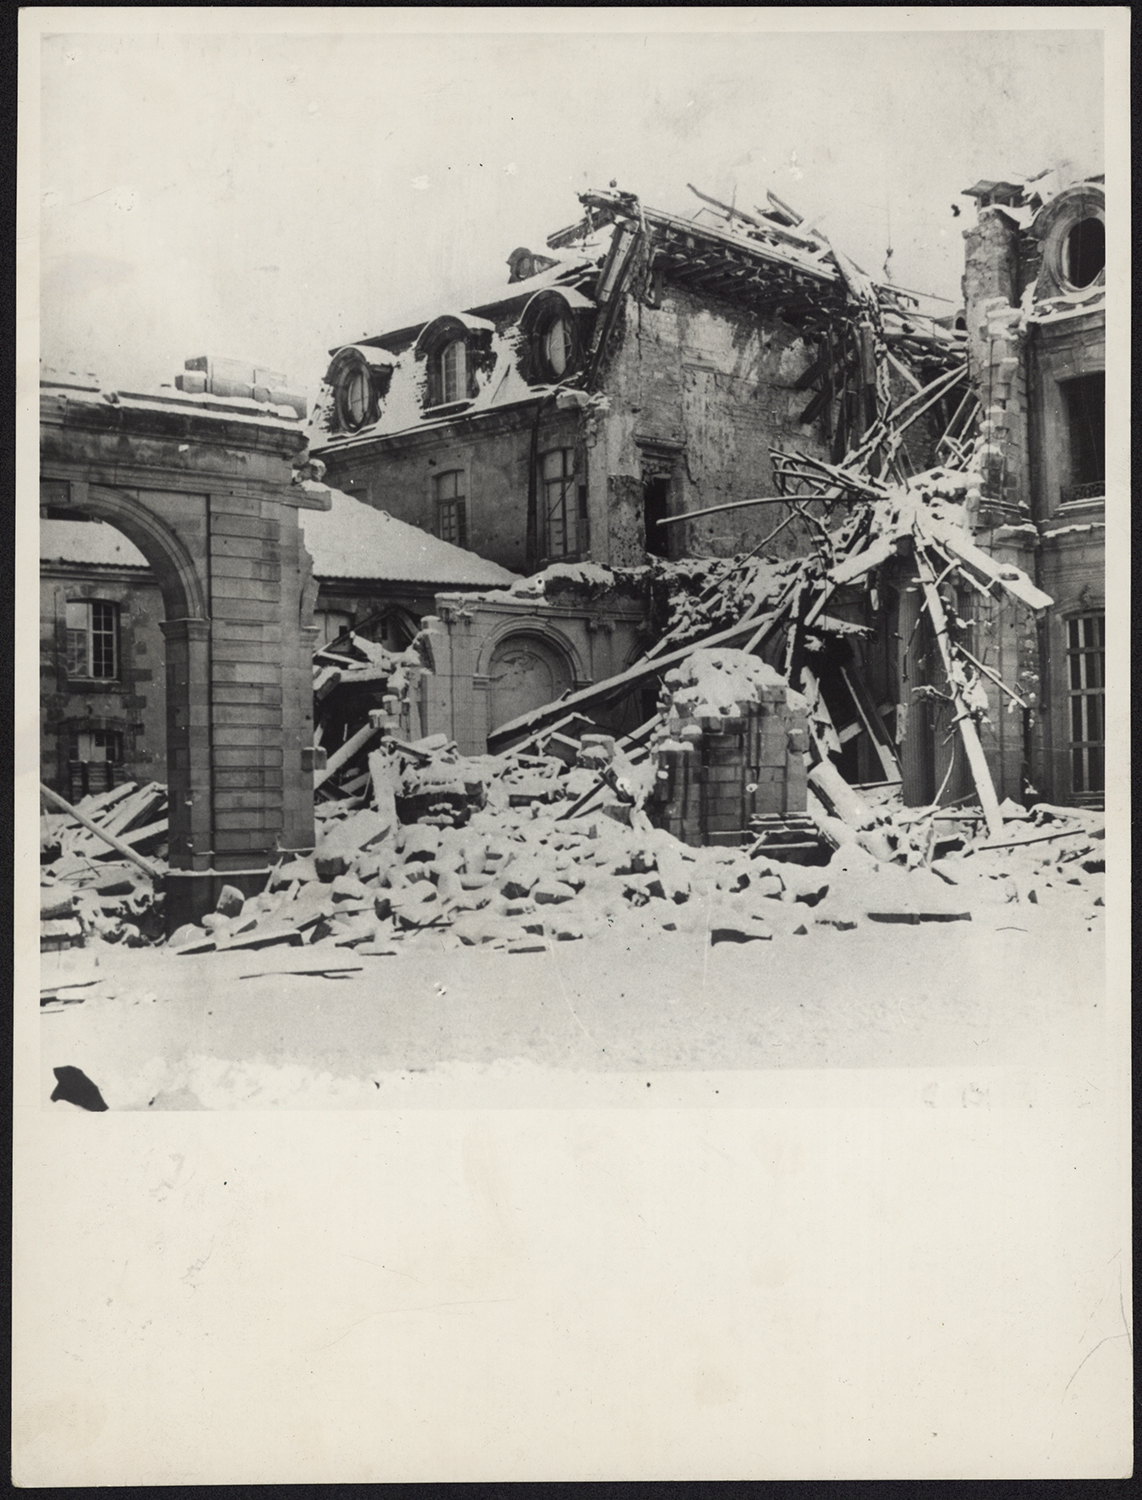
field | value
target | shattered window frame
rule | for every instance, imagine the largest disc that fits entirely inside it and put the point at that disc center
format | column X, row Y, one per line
column 92, row 639
column 449, row 492
column 1086, row 702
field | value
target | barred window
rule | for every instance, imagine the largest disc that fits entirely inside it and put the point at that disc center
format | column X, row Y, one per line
column 92, row 639
column 564, row 505
column 451, row 507
column 1086, row 664
column 93, row 757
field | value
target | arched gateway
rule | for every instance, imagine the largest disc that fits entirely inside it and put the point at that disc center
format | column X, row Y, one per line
column 203, row 488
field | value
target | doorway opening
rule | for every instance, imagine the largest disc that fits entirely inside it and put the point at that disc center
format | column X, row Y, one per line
column 655, row 497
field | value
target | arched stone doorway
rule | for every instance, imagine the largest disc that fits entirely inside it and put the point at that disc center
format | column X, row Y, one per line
column 526, row 671
column 204, row 492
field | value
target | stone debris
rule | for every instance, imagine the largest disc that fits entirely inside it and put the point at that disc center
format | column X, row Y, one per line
column 518, row 878
column 88, row 888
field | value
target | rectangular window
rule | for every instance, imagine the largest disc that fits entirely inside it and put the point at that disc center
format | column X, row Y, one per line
column 449, row 379
column 1084, row 407
column 93, row 757
column 564, row 506
column 92, row 639
column 1086, row 666
column 451, row 507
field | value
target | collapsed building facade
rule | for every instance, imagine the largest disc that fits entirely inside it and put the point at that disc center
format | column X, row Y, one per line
column 719, row 435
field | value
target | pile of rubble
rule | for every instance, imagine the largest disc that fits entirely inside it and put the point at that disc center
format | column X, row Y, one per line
column 517, row 878
column 101, row 867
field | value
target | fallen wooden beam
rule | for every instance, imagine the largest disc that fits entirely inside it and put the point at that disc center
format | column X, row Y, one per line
column 612, row 687
column 344, row 754
column 711, row 510
column 968, row 733
column 108, row 838
column 1041, row 838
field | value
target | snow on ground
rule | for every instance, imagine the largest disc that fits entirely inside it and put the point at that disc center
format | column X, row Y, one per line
column 630, row 1019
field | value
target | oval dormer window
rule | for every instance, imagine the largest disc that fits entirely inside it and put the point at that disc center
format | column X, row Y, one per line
column 553, row 335
column 1084, row 252
column 558, row 346
column 356, row 396
column 359, row 379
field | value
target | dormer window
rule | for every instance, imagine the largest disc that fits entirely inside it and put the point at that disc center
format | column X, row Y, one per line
column 448, row 375
column 553, row 341
column 1084, row 252
column 454, row 348
column 356, row 397
column 359, row 377
column 1072, row 228
column 557, row 346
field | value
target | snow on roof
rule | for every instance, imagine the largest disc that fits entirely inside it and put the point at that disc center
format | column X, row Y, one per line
column 350, row 540
column 88, row 542
column 492, row 296
column 355, row 540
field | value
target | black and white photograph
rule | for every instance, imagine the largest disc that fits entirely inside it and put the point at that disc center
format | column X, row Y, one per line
column 580, row 745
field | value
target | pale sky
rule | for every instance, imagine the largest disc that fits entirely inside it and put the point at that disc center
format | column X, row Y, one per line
column 269, row 196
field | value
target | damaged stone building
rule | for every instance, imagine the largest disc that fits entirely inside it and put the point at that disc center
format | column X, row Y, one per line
column 1035, row 301
column 712, row 433
column 614, row 402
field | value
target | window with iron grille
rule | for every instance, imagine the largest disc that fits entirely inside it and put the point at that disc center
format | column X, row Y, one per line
column 451, row 507
column 564, row 505
column 94, row 759
column 1084, row 405
column 1086, row 666
column 92, row 639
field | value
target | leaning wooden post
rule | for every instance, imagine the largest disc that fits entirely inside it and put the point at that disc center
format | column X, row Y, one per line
column 108, row 838
column 976, row 759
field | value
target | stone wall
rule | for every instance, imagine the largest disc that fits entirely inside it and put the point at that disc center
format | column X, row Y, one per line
column 132, row 706
column 714, row 384
column 569, row 642
column 492, row 453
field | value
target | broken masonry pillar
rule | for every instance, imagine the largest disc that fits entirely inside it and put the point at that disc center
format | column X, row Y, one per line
column 733, row 749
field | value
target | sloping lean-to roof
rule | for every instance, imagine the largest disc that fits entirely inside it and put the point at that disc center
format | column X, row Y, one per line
column 354, row 540
column 350, row 540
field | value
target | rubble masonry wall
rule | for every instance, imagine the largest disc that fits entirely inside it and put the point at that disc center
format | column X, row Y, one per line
column 716, row 380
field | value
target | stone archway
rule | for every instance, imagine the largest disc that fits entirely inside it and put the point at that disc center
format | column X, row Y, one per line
column 526, row 671
column 204, row 492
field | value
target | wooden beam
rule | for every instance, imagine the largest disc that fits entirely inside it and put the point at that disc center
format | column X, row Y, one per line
column 981, row 775
column 108, row 838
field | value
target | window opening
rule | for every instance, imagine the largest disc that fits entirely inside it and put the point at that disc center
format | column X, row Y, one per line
column 655, row 494
column 1086, row 663
column 1084, row 402
column 564, row 505
column 331, row 623
column 92, row 639
column 93, row 759
column 449, row 371
column 451, row 507
column 1085, row 254
column 557, row 347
